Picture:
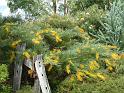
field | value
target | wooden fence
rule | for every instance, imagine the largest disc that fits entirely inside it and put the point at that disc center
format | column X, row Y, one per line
column 41, row 83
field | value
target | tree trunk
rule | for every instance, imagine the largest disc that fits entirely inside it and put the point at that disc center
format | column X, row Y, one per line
column 54, row 6
column 65, row 7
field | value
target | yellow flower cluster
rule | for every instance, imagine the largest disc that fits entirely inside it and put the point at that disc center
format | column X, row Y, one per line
column 110, row 66
column 57, row 37
column 93, row 65
column 35, row 41
column 115, row 56
column 15, row 43
column 50, row 67
column 68, row 69
column 26, row 54
column 80, row 75
column 90, row 74
column 110, row 46
column 52, row 57
column 81, row 30
column 102, row 77
column 97, row 56
column 72, row 77
column 38, row 38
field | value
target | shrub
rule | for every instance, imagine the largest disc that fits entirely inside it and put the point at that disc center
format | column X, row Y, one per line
column 90, row 19
column 113, row 25
column 63, row 22
column 113, row 85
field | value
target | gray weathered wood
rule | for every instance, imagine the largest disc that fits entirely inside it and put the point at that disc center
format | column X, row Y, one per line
column 37, row 88
column 28, row 63
column 40, row 70
column 18, row 68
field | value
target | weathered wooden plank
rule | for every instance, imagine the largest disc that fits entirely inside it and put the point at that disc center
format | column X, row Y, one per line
column 40, row 69
column 28, row 63
column 18, row 68
column 36, row 88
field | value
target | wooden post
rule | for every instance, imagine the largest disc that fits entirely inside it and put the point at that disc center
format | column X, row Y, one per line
column 40, row 69
column 37, row 88
column 18, row 68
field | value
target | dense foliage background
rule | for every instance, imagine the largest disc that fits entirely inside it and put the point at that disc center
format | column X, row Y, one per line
column 81, row 42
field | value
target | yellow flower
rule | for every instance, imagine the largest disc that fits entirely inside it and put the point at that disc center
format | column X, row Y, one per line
column 50, row 67
column 46, row 31
column 55, row 59
column 90, row 74
column 35, row 41
column 115, row 56
column 68, row 69
column 38, row 33
column 122, row 56
column 93, row 65
column 110, row 68
column 30, row 72
column 15, row 43
column 26, row 54
column 80, row 75
column 39, row 37
column 7, row 29
column 107, row 62
column 81, row 30
column 99, row 75
column 58, row 39
column 114, row 47
column 82, row 19
column 97, row 56
column 53, row 33
column 72, row 77
column 70, row 61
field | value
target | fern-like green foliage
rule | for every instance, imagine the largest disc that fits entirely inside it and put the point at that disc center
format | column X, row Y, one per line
column 113, row 25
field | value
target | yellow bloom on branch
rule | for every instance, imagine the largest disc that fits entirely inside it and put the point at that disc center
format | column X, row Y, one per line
column 54, row 59
column 72, row 77
column 50, row 67
column 26, row 54
column 97, row 56
column 122, row 56
column 30, row 72
column 80, row 75
column 68, row 69
column 115, row 56
column 53, row 33
column 107, row 62
column 38, row 33
column 93, row 65
column 114, row 47
column 110, row 68
column 81, row 30
column 58, row 39
column 35, row 41
column 99, row 75
column 90, row 74
column 15, row 43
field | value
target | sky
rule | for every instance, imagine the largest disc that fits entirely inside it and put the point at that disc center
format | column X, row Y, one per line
column 4, row 10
